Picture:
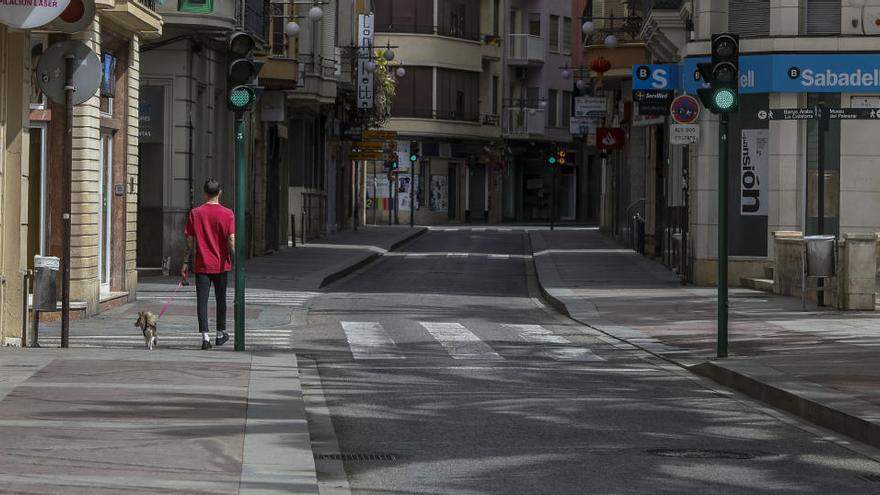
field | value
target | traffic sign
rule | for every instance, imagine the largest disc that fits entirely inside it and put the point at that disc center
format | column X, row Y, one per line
column 368, row 155
column 685, row 109
column 819, row 113
column 86, row 71
column 369, row 145
column 379, row 135
column 682, row 134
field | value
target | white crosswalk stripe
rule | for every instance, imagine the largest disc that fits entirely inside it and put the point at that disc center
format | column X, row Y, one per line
column 258, row 298
column 459, row 342
column 276, row 338
column 368, row 340
column 557, row 347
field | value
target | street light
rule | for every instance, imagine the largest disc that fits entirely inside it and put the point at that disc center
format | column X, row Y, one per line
column 316, row 14
column 388, row 54
column 370, row 66
column 566, row 73
column 400, row 72
column 292, row 29
column 611, row 41
column 580, row 84
column 588, row 28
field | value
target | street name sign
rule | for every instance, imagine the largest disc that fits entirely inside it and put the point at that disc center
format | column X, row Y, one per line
column 379, row 135
column 819, row 113
column 682, row 134
column 590, row 105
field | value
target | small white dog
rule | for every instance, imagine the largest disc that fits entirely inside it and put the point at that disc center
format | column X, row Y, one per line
column 147, row 323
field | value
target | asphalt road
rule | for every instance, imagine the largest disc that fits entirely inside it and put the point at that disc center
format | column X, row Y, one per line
column 442, row 361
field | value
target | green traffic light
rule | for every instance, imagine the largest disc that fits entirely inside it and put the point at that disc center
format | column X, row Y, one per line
column 413, row 158
column 724, row 99
column 552, row 160
column 241, row 98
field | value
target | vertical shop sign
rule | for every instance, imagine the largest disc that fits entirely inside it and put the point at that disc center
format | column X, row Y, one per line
column 753, row 172
column 365, row 57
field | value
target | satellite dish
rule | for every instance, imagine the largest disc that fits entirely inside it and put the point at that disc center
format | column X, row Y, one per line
column 27, row 15
column 78, row 15
column 86, row 71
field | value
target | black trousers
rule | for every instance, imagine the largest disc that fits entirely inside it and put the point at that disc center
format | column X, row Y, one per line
column 203, row 289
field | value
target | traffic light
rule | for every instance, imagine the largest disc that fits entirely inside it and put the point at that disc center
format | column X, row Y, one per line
column 242, row 71
column 722, row 75
column 414, row 151
column 392, row 163
column 551, row 158
column 561, row 156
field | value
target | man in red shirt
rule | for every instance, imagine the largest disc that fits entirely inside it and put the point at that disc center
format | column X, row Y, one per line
column 210, row 228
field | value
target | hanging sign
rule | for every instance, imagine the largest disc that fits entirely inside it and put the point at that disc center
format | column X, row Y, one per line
column 365, row 58
column 28, row 14
column 609, row 138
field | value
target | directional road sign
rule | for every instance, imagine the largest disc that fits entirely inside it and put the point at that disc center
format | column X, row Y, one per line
column 380, row 135
column 369, row 146
column 819, row 113
column 369, row 155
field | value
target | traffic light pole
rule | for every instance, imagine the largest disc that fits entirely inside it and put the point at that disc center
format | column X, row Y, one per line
column 723, row 142
column 412, row 196
column 240, row 230
column 820, row 193
column 553, row 196
column 67, row 184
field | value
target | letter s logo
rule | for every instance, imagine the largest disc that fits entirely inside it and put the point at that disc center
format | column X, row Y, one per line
column 660, row 79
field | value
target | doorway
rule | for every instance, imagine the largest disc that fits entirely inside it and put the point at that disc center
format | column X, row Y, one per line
column 36, row 194
column 105, row 220
column 477, row 193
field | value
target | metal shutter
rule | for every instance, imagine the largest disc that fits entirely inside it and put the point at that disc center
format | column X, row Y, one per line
column 749, row 18
column 823, row 17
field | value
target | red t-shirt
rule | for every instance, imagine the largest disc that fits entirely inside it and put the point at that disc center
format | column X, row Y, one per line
column 211, row 225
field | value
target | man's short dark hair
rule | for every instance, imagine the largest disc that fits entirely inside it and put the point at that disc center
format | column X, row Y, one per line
column 212, row 187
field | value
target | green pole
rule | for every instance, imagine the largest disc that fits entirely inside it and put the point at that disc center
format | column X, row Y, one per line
column 240, row 230
column 722, row 234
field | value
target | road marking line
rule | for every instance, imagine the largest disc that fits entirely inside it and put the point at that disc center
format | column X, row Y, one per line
column 368, row 340
column 537, row 334
column 460, row 342
column 499, row 256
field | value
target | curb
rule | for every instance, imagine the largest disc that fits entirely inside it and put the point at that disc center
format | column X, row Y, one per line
column 850, row 417
column 839, row 415
column 366, row 260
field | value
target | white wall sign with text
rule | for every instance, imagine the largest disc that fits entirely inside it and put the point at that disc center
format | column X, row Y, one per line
column 682, row 134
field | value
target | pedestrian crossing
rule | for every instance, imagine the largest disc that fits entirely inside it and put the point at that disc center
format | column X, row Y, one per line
column 372, row 341
column 288, row 299
column 169, row 338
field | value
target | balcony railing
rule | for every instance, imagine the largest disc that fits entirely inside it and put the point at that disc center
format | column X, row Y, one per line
column 524, row 122
column 525, row 49
column 427, row 29
column 150, row 4
column 649, row 5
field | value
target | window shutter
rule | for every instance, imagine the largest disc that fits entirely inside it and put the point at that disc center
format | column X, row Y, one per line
column 749, row 18
column 823, row 17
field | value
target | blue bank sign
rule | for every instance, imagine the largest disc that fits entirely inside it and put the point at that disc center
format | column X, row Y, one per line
column 795, row 73
column 655, row 77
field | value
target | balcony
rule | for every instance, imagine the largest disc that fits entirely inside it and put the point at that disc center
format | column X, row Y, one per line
column 525, row 50
column 524, row 123
column 136, row 16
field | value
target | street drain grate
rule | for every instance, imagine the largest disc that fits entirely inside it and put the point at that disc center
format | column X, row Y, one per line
column 701, row 454
column 873, row 478
column 345, row 456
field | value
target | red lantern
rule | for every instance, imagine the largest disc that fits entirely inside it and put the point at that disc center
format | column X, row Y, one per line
column 600, row 65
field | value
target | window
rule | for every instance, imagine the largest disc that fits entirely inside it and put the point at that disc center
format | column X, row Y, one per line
column 823, row 17
column 553, row 108
column 566, row 108
column 495, row 95
column 566, row 35
column 39, row 43
column 458, row 95
column 535, row 24
column 404, row 16
column 199, row 6
column 414, row 94
column 458, row 18
column 554, row 33
column 749, row 18
column 279, row 16
column 496, row 17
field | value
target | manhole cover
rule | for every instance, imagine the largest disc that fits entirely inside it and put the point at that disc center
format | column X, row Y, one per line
column 345, row 456
column 702, row 453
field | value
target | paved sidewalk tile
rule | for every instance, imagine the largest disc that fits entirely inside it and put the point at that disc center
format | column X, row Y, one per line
column 106, row 421
column 628, row 296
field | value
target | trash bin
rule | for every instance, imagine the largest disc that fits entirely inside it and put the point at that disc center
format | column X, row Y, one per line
column 46, row 283
column 820, row 255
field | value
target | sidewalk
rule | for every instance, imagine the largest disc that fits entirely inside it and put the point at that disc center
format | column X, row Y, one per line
column 109, row 421
column 820, row 364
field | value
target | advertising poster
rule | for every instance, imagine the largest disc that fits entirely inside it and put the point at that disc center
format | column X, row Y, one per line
column 439, row 193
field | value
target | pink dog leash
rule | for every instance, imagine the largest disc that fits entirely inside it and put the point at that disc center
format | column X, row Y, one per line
column 168, row 301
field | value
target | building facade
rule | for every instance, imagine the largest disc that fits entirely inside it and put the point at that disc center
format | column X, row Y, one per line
column 803, row 54
column 449, row 102
column 105, row 165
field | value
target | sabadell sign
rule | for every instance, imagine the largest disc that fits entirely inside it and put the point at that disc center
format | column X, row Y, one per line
column 27, row 14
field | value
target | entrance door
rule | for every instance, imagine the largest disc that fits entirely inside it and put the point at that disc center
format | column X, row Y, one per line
column 477, row 193
column 36, row 240
column 567, row 194
column 105, row 228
